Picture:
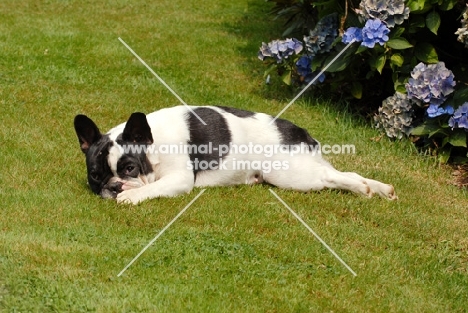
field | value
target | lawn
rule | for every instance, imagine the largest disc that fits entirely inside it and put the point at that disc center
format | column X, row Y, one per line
column 236, row 249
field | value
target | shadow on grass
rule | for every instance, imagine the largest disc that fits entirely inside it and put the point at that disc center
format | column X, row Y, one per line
column 255, row 26
column 258, row 25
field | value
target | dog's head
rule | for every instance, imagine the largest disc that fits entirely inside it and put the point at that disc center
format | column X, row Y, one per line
column 114, row 165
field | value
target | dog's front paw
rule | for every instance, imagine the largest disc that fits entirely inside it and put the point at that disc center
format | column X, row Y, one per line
column 131, row 196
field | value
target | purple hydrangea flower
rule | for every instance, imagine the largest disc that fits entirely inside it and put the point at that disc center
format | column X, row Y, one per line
column 280, row 49
column 434, row 110
column 430, row 83
column 293, row 45
column 352, row 34
column 305, row 71
column 460, row 117
column 374, row 31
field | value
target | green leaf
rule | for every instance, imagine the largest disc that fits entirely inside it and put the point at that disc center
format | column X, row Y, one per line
column 338, row 65
column 433, row 21
column 447, row 5
column 399, row 44
column 458, row 138
column 445, row 141
column 397, row 32
column 399, row 82
column 286, row 77
column 439, row 131
column 316, row 63
column 415, row 5
column 425, row 52
column 400, row 88
column 397, row 60
column 356, row 90
column 289, row 30
column 416, row 22
column 360, row 49
column 270, row 69
column 342, row 62
column 424, row 129
column 380, row 63
column 460, row 96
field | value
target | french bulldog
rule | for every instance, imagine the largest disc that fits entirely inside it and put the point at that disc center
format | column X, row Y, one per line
column 168, row 152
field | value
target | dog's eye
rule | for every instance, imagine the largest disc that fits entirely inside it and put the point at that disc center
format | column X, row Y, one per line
column 94, row 175
column 129, row 169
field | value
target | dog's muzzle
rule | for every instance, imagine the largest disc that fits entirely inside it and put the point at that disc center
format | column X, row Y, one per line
column 111, row 189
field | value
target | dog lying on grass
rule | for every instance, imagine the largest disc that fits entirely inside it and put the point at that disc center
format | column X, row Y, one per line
column 170, row 151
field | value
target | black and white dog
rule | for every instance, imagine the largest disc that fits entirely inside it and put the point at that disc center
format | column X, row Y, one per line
column 170, row 151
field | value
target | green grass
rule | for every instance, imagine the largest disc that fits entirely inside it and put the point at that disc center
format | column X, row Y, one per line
column 237, row 249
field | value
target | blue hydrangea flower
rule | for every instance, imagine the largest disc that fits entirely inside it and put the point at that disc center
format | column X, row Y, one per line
column 280, row 49
column 390, row 12
column 430, row 83
column 321, row 78
column 305, row 71
column 374, row 32
column 323, row 35
column 304, row 65
column 460, row 117
column 434, row 110
column 352, row 34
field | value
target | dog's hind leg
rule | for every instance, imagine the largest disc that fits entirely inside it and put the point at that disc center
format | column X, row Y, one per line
column 383, row 190
column 307, row 173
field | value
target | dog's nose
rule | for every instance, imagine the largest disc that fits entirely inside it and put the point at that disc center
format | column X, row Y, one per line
column 112, row 189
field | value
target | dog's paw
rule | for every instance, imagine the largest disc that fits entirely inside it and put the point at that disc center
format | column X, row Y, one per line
column 131, row 196
column 383, row 190
column 386, row 191
column 390, row 193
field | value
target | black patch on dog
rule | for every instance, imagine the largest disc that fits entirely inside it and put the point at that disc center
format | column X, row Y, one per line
column 96, row 147
column 97, row 166
column 137, row 129
column 237, row 112
column 87, row 131
column 216, row 132
column 293, row 135
column 134, row 141
column 132, row 165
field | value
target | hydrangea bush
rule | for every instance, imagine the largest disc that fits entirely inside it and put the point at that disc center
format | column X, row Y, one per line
column 407, row 63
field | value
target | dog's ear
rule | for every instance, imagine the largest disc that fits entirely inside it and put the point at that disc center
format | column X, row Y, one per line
column 137, row 130
column 87, row 132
